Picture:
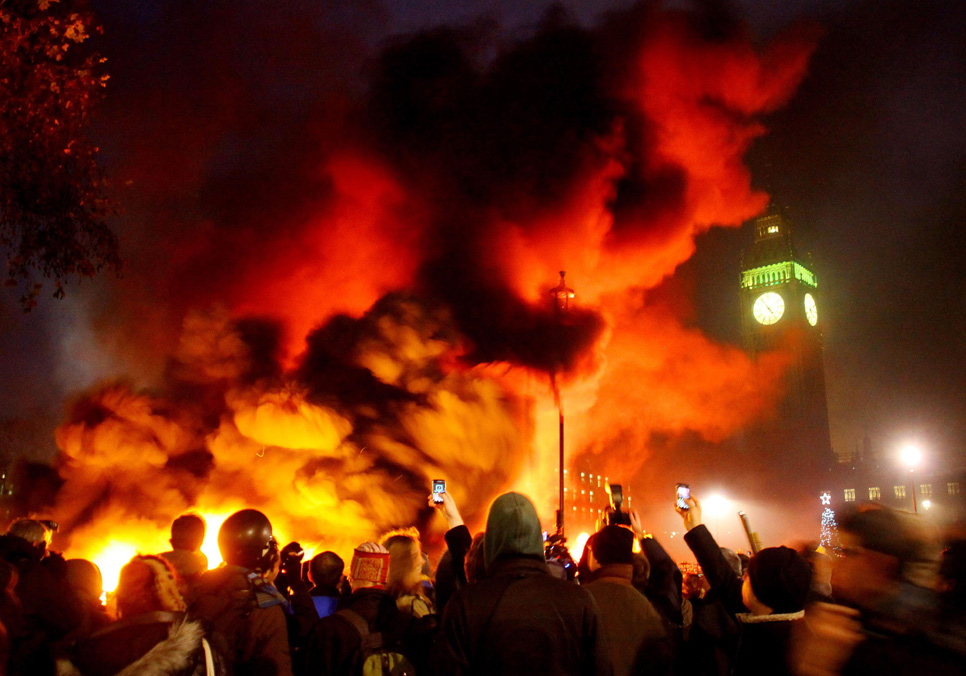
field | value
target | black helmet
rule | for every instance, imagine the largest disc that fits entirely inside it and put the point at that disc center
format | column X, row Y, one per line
column 245, row 539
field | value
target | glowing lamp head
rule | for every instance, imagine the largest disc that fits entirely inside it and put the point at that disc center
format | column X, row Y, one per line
column 561, row 294
column 926, row 504
column 911, row 456
column 715, row 505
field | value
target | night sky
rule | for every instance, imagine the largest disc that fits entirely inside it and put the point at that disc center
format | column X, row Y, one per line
column 868, row 155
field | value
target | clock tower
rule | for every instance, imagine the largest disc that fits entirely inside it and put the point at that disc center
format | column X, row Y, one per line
column 781, row 310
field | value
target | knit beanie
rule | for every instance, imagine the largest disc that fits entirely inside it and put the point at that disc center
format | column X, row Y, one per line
column 780, row 579
column 613, row 544
column 370, row 565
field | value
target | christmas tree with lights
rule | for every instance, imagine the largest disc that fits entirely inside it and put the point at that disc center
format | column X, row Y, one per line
column 830, row 529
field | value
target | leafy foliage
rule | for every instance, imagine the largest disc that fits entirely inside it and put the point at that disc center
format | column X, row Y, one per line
column 52, row 204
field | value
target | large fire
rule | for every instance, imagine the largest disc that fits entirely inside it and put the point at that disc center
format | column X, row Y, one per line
column 352, row 301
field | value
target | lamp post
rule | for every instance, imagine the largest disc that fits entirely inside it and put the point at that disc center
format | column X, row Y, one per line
column 561, row 295
column 911, row 456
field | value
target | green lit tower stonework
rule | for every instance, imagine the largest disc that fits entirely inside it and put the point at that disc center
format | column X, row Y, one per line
column 781, row 309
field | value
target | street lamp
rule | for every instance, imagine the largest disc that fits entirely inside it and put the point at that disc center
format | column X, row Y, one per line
column 561, row 295
column 912, row 456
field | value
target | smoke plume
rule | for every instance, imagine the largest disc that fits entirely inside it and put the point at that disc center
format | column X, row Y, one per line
column 341, row 258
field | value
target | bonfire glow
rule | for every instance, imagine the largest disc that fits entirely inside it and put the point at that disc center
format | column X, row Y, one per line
column 111, row 559
column 384, row 318
column 578, row 551
column 210, row 546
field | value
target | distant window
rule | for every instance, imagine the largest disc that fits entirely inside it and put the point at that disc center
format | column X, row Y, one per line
column 772, row 229
column 925, row 489
column 900, row 491
column 850, row 495
column 875, row 493
column 953, row 488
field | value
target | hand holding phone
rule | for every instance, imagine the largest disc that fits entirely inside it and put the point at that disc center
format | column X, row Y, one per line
column 683, row 495
column 439, row 487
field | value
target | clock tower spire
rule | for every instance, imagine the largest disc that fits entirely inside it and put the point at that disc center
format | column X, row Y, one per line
column 781, row 311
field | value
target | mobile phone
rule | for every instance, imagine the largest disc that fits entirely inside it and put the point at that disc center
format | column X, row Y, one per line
column 683, row 493
column 439, row 486
column 616, row 496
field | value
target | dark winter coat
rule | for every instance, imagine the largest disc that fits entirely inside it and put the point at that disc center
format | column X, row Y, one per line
column 334, row 647
column 909, row 632
column 45, row 609
column 521, row 620
column 639, row 643
column 764, row 640
column 451, row 572
column 664, row 582
column 712, row 638
column 152, row 644
column 256, row 639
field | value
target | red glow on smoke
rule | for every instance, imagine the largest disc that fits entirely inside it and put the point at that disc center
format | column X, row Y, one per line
column 330, row 219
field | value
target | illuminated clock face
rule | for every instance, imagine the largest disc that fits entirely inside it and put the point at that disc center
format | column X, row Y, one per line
column 811, row 310
column 768, row 308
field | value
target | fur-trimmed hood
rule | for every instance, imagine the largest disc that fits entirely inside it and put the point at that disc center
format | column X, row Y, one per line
column 185, row 652
column 749, row 618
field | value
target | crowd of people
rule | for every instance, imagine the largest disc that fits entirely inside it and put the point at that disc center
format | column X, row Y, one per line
column 499, row 602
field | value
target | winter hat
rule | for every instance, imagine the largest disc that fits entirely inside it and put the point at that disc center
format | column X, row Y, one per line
column 780, row 579
column 613, row 544
column 370, row 565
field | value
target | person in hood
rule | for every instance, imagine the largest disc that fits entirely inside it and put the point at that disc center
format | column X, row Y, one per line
column 153, row 636
column 520, row 619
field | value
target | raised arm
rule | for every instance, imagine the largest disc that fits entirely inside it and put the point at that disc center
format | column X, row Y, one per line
column 716, row 570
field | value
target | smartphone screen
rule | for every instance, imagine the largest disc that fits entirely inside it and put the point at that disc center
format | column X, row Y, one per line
column 439, row 486
column 684, row 493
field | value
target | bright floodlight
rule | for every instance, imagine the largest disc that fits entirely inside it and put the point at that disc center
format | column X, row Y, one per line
column 715, row 505
column 926, row 504
column 911, row 455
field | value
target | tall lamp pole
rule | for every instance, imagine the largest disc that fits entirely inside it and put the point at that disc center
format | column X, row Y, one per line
column 911, row 455
column 561, row 295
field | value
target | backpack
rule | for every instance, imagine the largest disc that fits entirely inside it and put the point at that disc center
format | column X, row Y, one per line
column 226, row 601
column 375, row 657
